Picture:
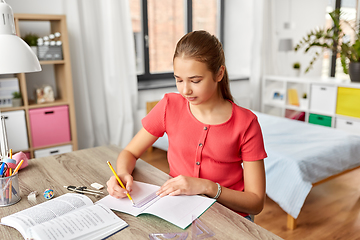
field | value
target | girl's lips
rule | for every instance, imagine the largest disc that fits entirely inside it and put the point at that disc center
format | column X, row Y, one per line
column 190, row 98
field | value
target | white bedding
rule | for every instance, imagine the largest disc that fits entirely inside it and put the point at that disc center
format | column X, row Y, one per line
column 300, row 154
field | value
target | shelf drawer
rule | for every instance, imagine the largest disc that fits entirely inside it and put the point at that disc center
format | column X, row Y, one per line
column 323, row 98
column 49, row 126
column 348, row 102
column 320, row 120
column 52, row 151
column 351, row 126
column 16, row 130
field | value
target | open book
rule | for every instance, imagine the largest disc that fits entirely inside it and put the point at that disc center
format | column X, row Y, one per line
column 179, row 210
column 69, row 216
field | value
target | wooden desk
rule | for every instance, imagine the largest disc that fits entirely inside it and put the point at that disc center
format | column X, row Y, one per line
column 83, row 167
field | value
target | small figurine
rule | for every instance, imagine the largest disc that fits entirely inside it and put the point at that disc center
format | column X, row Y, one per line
column 45, row 94
column 48, row 193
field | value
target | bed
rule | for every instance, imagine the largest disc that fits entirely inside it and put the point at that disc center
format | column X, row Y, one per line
column 300, row 155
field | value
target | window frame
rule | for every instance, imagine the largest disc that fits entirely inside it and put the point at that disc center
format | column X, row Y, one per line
column 334, row 52
column 147, row 76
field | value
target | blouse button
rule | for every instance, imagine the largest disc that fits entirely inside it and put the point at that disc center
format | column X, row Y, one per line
column 200, row 144
column 205, row 128
column 198, row 163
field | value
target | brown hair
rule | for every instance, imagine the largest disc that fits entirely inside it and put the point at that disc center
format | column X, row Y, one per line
column 205, row 48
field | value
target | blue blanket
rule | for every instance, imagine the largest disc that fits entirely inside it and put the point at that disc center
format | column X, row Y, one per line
column 300, row 154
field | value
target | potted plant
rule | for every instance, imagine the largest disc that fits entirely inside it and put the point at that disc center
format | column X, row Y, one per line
column 304, row 101
column 335, row 39
column 31, row 40
column 16, row 101
column 296, row 67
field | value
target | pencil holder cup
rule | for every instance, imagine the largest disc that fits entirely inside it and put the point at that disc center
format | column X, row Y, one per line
column 9, row 190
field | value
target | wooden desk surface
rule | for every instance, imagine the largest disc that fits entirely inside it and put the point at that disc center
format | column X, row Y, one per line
column 83, row 167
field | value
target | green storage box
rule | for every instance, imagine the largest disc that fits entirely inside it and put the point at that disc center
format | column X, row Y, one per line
column 320, row 120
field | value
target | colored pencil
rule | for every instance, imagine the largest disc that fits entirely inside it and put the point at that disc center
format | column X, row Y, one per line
column 18, row 166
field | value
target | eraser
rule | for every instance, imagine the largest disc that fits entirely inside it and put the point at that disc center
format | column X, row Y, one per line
column 97, row 186
column 32, row 196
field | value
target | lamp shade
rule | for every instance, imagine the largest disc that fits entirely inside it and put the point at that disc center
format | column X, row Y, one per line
column 285, row 45
column 15, row 55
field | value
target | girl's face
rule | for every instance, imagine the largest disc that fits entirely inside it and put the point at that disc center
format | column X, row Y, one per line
column 195, row 81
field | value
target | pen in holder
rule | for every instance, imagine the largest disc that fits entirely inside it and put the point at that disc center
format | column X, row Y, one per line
column 9, row 182
column 9, row 190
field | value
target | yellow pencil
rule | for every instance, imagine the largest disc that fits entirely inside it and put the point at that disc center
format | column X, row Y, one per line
column 121, row 184
column 18, row 166
column 10, row 187
column 10, row 153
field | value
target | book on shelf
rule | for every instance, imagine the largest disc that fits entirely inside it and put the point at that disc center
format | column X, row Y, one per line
column 69, row 216
column 293, row 97
column 179, row 210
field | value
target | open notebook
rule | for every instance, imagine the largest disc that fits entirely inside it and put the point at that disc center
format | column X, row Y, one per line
column 178, row 210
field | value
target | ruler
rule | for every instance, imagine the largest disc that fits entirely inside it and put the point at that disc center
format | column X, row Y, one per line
column 146, row 200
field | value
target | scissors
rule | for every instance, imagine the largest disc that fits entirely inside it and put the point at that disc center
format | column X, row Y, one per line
column 83, row 190
column 4, row 167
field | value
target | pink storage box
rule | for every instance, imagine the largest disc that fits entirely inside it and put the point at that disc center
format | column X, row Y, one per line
column 49, row 126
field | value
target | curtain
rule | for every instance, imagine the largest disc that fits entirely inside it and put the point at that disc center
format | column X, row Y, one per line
column 103, row 70
column 264, row 48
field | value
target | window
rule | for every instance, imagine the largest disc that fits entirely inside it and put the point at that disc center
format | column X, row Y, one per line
column 331, row 63
column 159, row 24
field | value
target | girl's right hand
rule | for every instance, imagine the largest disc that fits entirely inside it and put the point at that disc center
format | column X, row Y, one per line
column 114, row 188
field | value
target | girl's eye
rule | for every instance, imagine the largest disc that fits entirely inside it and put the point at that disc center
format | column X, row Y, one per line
column 196, row 82
column 178, row 80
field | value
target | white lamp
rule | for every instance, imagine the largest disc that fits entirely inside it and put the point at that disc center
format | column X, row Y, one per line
column 15, row 55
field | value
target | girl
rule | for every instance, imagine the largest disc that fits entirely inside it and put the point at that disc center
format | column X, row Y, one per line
column 210, row 137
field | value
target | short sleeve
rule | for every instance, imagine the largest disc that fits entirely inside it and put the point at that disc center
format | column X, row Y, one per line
column 253, row 148
column 154, row 121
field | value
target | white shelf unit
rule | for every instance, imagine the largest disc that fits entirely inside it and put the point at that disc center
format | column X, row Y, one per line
column 275, row 99
column 331, row 102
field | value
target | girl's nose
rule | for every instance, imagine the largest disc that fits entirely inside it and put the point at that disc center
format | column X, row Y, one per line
column 187, row 89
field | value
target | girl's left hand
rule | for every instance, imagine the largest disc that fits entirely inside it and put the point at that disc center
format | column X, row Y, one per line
column 182, row 185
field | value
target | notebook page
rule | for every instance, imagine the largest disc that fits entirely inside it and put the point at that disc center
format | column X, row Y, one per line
column 139, row 191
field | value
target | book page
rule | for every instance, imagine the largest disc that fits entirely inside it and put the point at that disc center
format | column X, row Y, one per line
column 139, row 191
column 46, row 211
column 96, row 222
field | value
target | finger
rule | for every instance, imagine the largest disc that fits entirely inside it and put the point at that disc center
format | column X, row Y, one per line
column 163, row 188
column 129, row 182
column 169, row 183
column 169, row 189
column 176, row 193
column 119, row 192
column 114, row 189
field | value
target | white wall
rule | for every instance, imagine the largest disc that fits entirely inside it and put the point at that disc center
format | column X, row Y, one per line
column 37, row 6
column 238, row 33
